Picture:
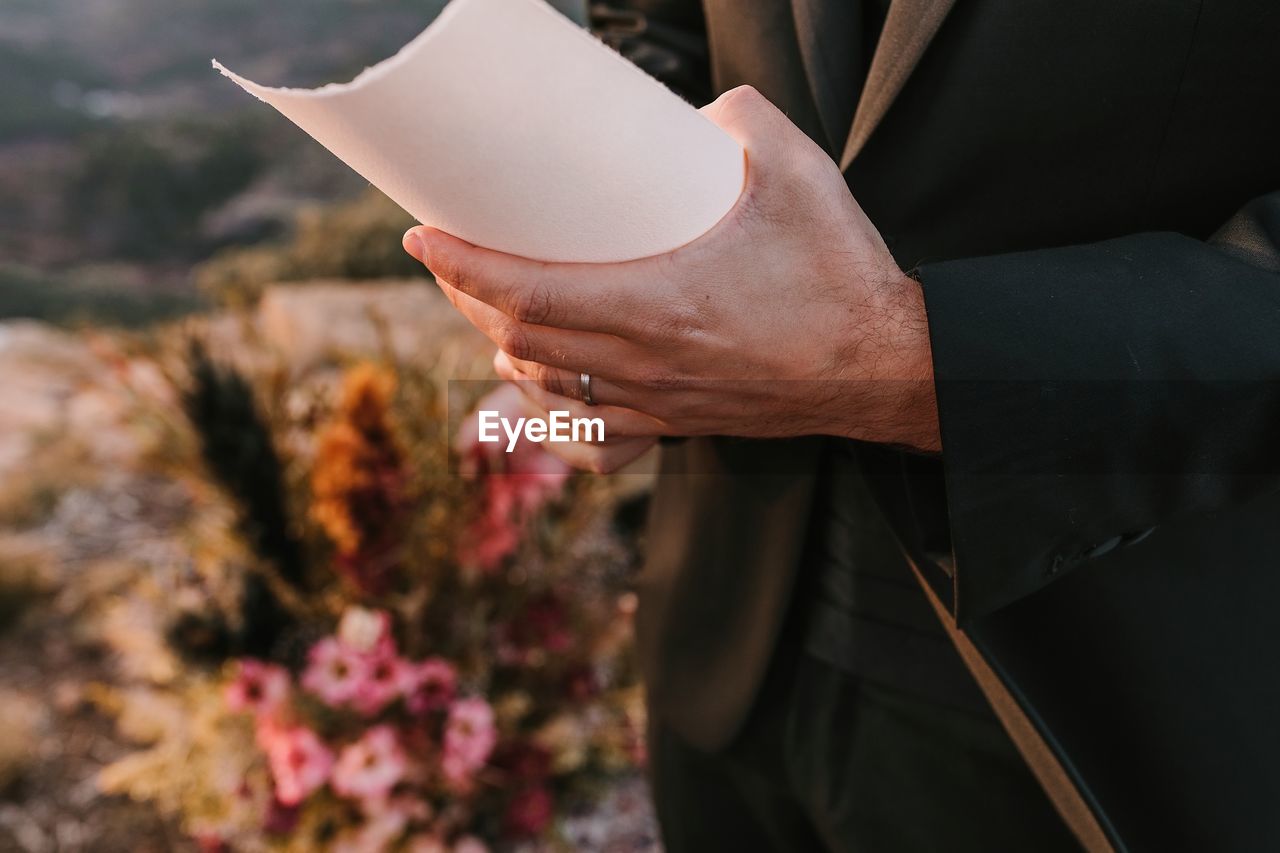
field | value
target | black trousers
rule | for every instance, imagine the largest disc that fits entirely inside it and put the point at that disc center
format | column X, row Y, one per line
column 831, row 762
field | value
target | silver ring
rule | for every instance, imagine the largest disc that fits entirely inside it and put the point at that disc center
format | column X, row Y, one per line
column 584, row 388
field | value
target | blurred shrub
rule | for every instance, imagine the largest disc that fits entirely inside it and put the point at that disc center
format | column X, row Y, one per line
column 241, row 458
column 24, row 580
column 142, row 190
column 238, row 449
column 19, row 735
column 354, row 240
column 25, row 104
column 66, row 300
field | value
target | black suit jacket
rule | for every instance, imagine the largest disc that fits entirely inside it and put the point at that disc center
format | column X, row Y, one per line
column 1090, row 196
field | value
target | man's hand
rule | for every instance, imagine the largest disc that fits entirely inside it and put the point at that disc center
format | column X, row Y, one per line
column 789, row 317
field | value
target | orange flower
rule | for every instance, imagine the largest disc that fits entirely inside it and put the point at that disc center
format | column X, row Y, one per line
column 358, row 483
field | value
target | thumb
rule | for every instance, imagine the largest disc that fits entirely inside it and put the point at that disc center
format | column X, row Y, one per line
column 770, row 139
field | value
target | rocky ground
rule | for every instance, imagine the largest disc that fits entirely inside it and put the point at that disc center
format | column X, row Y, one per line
column 75, row 517
column 84, row 509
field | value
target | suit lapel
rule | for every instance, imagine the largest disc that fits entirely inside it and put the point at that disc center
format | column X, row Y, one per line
column 831, row 39
column 908, row 29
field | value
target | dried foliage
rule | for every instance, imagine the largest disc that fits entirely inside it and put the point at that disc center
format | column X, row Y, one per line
column 357, row 240
column 451, row 667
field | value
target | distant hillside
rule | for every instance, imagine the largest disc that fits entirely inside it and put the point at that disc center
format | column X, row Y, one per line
column 118, row 143
column 148, row 46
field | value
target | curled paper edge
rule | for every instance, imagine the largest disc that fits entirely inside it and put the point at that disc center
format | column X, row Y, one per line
column 371, row 73
column 677, row 168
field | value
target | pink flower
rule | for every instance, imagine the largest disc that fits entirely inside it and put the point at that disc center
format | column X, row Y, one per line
column 366, row 631
column 335, row 671
column 516, row 483
column 525, row 763
column 531, row 482
column 528, row 813
column 358, row 666
column 300, row 762
column 523, row 480
column 423, row 843
column 210, row 842
column 542, row 628
column 385, row 821
column 404, row 808
column 370, row 767
column 488, row 540
column 469, row 844
column 384, row 679
column 469, row 738
column 258, row 687
column 527, row 458
column 430, row 685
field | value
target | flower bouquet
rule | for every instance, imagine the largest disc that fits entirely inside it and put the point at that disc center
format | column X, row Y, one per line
column 428, row 645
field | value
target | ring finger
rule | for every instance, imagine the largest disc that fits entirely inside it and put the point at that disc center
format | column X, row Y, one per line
column 563, row 382
column 619, row 421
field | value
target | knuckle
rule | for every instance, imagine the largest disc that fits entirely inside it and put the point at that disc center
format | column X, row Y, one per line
column 813, row 168
column 514, row 341
column 687, row 317
column 552, row 381
column 678, row 318
column 614, row 428
column 662, row 380
column 447, row 269
column 532, row 303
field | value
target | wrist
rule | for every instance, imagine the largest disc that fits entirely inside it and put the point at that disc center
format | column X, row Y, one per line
column 894, row 400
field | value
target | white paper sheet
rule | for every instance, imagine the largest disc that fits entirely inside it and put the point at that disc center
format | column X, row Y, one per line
column 507, row 126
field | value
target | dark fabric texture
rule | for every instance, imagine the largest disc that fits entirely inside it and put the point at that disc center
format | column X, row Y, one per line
column 1087, row 193
column 866, row 613
column 831, row 762
column 864, row 610
column 1055, row 125
column 1147, row 396
column 1151, row 668
column 705, row 636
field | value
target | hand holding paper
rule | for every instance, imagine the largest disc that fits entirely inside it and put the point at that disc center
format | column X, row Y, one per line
column 788, row 318
column 530, row 149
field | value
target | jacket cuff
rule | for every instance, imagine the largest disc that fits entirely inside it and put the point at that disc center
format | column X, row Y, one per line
column 1031, row 373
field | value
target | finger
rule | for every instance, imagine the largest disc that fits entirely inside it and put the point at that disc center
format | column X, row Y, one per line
column 561, row 383
column 590, row 297
column 618, row 421
column 659, row 399
column 602, row 458
column 544, row 344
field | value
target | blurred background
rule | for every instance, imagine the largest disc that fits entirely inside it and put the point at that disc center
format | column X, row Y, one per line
column 256, row 593
column 127, row 166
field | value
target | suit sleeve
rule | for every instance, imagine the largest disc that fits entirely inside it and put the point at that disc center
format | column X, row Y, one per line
column 1090, row 394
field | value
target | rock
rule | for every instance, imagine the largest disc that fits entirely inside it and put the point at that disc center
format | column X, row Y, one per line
column 24, row 719
column 309, row 323
column 41, row 370
column 58, row 386
column 28, row 561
